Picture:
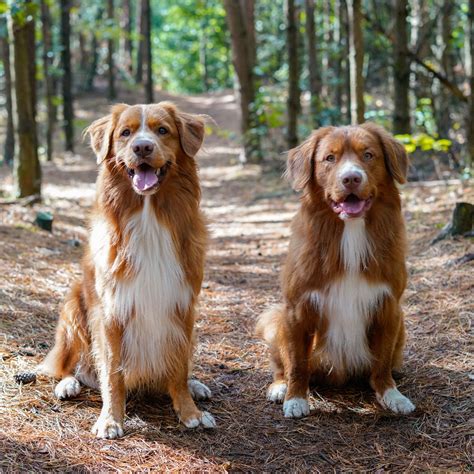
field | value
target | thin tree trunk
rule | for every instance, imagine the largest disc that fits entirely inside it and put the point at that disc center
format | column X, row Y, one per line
column 356, row 60
column 338, row 69
column 141, row 44
column 470, row 120
column 110, row 54
column 347, row 68
column 48, row 83
column 27, row 169
column 401, row 69
column 9, row 147
column 148, row 52
column 242, row 32
column 68, row 108
column 443, row 119
column 92, row 72
column 313, row 64
column 127, row 27
column 293, row 70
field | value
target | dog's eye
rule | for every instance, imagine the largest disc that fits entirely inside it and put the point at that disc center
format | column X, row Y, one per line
column 125, row 133
column 331, row 158
column 162, row 131
column 368, row 156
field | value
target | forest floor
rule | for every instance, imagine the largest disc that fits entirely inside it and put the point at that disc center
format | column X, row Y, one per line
column 250, row 210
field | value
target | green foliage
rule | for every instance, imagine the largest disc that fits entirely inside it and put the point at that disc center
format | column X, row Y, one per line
column 424, row 142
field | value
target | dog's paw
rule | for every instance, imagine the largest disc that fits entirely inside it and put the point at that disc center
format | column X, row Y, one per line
column 68, row 387
column 107, row 428
column 276, row 392
column 198, row 390
column 393, row 400
column 204, row 418
column 296, row 408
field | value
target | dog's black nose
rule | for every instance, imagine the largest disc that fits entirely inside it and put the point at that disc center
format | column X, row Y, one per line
column 143, row 148
column 351, row 180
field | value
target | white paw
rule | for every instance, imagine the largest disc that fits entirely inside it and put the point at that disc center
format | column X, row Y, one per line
column 276, row 392
column 393, row 400
column 68, row 387
column 296, row 408
column 107, row 428
column 205, row 419
column 198, row 390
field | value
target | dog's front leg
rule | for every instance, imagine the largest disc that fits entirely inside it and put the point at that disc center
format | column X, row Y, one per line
column 298, row 338
column 383, row 339
column 112, row 386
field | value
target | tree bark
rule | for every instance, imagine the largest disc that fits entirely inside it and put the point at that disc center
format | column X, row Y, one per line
column 356, row 60
column 141, row 44
column 68, row 107
column 242, row 31
column 127, row 27
column 146, row 11
column 313, row 64
column 27, row 169
column 293, row 72
column 338, row 69
column 110, row 54
column 9, row 147
column 48, row 81
column 401, row 69
column 470, row 119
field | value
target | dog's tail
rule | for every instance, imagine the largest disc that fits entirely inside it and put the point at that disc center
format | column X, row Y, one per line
column 268, row 324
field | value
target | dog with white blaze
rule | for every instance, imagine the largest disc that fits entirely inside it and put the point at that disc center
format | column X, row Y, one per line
column 128, row 323
column 345, row 272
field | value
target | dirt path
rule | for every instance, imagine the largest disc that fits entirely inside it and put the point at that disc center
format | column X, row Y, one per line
column 249, row 212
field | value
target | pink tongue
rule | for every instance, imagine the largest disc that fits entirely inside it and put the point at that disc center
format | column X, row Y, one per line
column 144, row 180
column 352, row 207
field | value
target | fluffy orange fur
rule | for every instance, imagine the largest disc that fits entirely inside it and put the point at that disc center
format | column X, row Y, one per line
column 148, row 240
column 335, row 304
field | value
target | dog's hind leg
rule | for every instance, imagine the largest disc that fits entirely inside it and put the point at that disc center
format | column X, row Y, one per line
column 70, row 342
column 267, row 328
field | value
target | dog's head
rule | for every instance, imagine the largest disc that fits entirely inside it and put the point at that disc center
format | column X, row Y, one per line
column 351, row 165
column 143, row 142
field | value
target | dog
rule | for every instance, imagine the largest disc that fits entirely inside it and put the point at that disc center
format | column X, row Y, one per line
column 345, row 270
column 128, row 323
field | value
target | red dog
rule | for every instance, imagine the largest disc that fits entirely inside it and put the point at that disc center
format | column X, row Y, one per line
column 345, row 272
column 129, row 322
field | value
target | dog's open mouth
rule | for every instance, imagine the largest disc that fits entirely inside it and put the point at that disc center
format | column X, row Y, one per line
column 145, row 178
column 352, row 206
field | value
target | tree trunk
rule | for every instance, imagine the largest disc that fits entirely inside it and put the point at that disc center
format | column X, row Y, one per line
column 443, row 119
column 27, row 169
column 338, row 69
column 68, row 110
column 242, row 30
column 293, row 72
column 127, row 27
column 48, row 82
column 141, row 45
column 401, row 69
column 470, row 126
column 9, row 148
column 148, row 52
column 347, row 69
column 94, row 54
column 110, row 53
column 356, row 60
column 313, row 64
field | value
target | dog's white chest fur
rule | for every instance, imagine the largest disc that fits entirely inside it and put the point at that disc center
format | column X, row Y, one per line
column 146, row 303
column 350, row 302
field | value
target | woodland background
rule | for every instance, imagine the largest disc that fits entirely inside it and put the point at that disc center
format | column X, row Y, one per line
column 268, row 72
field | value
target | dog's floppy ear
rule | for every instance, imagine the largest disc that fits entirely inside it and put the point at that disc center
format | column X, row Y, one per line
column 101, row 132
column 396, row 158
column 191, row 132
column 300, row 163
